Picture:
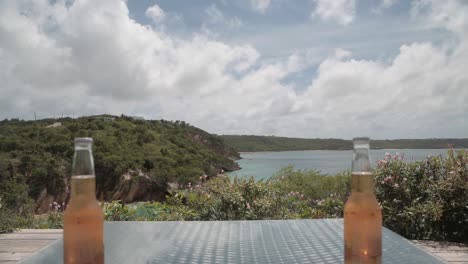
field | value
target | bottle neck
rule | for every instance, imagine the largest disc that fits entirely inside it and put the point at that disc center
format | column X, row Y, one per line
column 83, row 163
column 362, row 182
column 83, row 186
column 361, row 159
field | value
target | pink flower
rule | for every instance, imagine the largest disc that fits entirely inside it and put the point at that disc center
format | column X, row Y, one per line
column 248, row 206
column 388, row 156
column 382, row 162
column 396, row 185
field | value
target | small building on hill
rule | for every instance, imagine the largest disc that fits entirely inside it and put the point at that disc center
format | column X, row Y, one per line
column 56, row 124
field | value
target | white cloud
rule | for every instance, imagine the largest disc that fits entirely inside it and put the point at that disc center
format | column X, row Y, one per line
column 383, row 5
column 421, row 93
column 216, row 16
column 260, row 5
column 451, row 15
column 341, row 11
column 155, row 13
column 91, row 57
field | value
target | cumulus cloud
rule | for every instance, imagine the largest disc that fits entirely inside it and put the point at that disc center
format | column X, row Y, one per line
column 89, row 57
column 423, row 91
column 155, row 13
column 260, row 5
column 340, row 11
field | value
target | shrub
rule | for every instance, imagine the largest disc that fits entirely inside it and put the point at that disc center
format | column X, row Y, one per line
column 425, row 199
column 312, row 184
column 15, row 205
column 421, row 200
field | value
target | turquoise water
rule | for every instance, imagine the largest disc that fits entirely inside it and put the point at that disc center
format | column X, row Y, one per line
column 263, row 165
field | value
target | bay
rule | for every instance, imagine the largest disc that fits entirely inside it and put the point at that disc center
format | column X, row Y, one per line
column 262, row 165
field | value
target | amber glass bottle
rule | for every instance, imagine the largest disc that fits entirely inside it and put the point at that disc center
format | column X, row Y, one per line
column 362, row 213
column 83, row 218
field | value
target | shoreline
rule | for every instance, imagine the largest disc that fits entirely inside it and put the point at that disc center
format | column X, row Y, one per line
column 303, row 150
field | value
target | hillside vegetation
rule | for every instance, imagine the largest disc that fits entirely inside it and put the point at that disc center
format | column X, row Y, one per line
column 247, row 143
column 420, row 199
column 35, row 158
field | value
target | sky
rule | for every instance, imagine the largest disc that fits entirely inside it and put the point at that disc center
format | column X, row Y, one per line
column 312, row 68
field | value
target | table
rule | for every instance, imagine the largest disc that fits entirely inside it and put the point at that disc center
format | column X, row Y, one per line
column 266, row 241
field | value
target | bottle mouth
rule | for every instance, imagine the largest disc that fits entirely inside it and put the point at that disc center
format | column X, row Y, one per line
column 83, row 143
column 361, row 140
column 87, row 140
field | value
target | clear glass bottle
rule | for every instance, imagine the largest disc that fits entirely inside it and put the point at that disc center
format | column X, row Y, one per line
column 83, row 218
column 362, row 212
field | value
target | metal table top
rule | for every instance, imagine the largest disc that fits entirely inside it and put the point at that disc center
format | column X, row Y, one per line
column 266, row 241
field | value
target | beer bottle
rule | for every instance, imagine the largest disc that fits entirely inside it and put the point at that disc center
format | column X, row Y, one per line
column 83, row 218
column 362, row 213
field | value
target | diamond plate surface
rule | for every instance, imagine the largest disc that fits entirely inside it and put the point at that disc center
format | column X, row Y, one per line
column 268, row 241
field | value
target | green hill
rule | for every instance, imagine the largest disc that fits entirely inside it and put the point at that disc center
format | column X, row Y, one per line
column 248, row 143
column 37, row 155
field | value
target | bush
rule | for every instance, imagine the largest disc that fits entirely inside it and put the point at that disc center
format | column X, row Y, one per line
column 312, row 184
column 425, row 199
column 15, row 205
column 224, row 198
column 421, row 200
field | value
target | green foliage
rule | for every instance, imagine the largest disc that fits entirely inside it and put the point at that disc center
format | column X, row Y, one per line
column 15, row 205
column 420, row 200
column 426, row 199
column 53, row 219
column 166, row 151
column 312, row 184
column 272, row 143
column 224, row 198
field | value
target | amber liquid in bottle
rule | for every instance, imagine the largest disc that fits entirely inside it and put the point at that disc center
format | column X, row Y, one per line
column 83, row 223
column 83, row 218
column 362, row 217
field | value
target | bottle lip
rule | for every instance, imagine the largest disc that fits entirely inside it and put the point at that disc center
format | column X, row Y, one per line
column 87, row 140
column 361, row 140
